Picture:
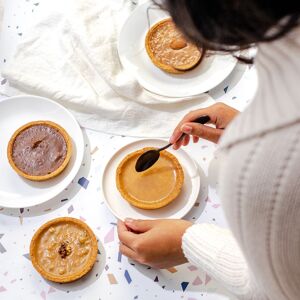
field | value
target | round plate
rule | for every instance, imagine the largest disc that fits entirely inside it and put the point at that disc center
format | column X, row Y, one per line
column 176, row 209
column 134, row 58
column 16, row 191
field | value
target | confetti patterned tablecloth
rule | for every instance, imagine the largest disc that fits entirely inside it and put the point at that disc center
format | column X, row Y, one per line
column 114, row 276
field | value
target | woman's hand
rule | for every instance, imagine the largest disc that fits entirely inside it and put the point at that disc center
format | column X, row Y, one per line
column 156, row 243
column 220, row 115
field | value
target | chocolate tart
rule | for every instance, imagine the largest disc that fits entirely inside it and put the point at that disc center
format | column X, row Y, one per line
column 154, row 188
column 39, row 150
column 169, row 50
column 63, row 249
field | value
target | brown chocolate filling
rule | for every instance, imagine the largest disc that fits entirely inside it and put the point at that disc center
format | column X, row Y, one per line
column 39, row 150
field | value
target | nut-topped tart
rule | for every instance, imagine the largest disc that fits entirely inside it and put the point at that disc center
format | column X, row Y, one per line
column 39, row 150
column 63, row 249
column 169, row 50
column 154, row 188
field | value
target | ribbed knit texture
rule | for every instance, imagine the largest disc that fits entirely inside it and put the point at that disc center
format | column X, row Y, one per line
column 259, row 257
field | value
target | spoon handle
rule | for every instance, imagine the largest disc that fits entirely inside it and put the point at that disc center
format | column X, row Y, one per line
column 200, row 120
column 164, row 148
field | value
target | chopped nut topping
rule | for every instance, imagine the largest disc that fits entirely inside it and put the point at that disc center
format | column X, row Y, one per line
column 178, row 44
column 62, row 271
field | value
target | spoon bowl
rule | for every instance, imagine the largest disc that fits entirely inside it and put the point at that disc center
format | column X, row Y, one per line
column 149, row 158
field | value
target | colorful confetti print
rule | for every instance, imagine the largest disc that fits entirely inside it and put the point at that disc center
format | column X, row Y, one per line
column 184, row 285
column 83, row 182
column 112, row 279
column 110, row 236
column 127, row 276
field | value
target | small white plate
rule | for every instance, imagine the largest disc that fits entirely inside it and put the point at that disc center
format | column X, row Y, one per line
column 176, row 209
column 15, row 191
column 134, row 58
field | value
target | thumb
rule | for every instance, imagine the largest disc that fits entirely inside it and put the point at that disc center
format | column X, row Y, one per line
column 138, row 225
column 202, row 131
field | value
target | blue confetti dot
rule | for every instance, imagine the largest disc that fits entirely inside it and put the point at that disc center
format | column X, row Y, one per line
column 225, row 89
column 119, row 257
column 127, row 276
column 83, row 182
column 156, row 279
column 184, row 285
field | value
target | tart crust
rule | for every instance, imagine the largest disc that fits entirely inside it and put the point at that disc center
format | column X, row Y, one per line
column 66, row 137
column 174, row 193
column 71, row 277
column 174, row 69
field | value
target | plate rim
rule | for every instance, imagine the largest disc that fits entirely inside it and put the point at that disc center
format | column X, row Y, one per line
column 77, row 162
column 109, row 159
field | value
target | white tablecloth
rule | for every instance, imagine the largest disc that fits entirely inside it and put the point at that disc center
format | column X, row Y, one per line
column 114, row 277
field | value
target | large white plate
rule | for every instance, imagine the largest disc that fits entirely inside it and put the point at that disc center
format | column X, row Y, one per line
column 177, row 209
column 131, row 47
column 14, row 112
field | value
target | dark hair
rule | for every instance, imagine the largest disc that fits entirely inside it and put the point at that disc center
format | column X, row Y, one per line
column 231, row 25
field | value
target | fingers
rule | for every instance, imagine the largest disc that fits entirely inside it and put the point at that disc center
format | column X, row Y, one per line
column 125, row 236
column 139, row 225
column 186, row 140
column 187, row 118
column 195, row 139
column 127, row 252
column 179, row 142
column 205, row 132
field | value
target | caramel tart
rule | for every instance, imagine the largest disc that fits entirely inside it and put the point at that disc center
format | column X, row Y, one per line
column 154, row 188
column 63, row 249
column 169, row 50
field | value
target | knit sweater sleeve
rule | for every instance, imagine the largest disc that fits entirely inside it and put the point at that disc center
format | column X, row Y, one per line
column 216, row 251
column 258, row 258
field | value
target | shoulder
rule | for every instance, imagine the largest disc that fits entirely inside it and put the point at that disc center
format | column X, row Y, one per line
column 271, row 148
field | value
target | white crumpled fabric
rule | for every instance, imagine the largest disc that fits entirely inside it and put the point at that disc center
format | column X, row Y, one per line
column 71, row 56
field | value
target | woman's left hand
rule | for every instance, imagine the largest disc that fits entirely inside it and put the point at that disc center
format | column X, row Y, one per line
column 156, row 243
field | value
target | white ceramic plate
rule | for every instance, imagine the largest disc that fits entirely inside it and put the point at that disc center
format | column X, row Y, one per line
column 131, row 47
column 176, row 209
column 15, row 191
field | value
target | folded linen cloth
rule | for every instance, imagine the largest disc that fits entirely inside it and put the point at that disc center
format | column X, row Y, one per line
column 71, row 57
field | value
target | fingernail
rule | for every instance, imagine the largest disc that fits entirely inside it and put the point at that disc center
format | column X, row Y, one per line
column 172, row 139
column 186, row 129
column 128, row 220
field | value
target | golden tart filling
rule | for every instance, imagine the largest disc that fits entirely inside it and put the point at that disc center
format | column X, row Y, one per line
column 169, row 50
column 39, row 150
column 153, row 188
column 63, row 249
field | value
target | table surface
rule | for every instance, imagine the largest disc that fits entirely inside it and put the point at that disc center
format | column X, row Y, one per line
column 113, row 276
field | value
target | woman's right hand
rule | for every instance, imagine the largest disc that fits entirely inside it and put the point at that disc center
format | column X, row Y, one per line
column 220, row 115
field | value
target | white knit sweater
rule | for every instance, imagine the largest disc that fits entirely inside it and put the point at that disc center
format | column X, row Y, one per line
column 259, row 187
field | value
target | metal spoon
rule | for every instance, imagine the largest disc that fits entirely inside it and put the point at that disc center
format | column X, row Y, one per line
column 149, row 158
